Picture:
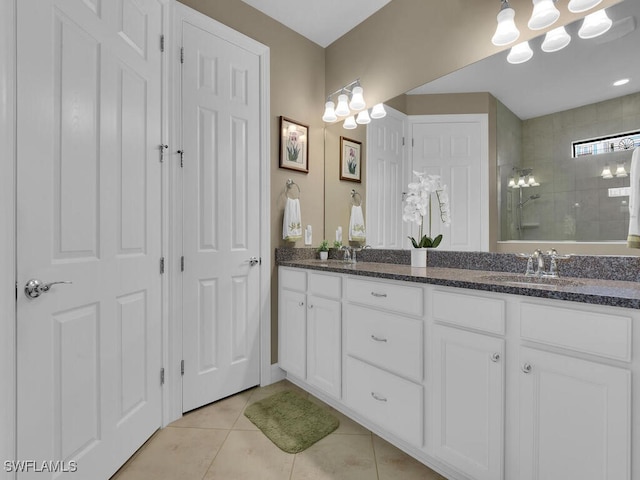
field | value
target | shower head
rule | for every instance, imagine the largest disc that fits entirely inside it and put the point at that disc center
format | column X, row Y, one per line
column 531, row 197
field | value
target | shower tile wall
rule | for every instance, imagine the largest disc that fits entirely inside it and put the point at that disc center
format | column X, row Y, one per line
column 574, row 202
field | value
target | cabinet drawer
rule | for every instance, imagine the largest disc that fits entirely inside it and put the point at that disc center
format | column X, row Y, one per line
column 588, row 332
column 479, row 313
column 396, row 297
column 389, row 401
column 292, row 279
column 389, row 341
column 325, row 285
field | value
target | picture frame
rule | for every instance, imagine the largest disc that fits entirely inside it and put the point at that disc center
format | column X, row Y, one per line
column 294, row 145
column 350, row 160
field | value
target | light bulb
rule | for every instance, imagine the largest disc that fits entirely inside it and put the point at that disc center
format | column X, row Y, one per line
column 606, row 172
column 329, row 112
column 577, row 6
column 520, row 53
column 342, row 110
column 620, row 171
column 363, row 118
column 357, row 99
column 350, row 123
column 544, row 14
column 378, row 111
column 506, row 31
column 555, row 40
column 595, row 24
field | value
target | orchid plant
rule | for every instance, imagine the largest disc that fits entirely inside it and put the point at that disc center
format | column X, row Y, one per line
column 418, row 206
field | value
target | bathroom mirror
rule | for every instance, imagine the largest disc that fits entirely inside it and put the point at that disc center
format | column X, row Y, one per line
column 543, row 106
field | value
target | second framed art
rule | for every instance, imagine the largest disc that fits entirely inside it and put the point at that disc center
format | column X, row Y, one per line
column 294, row 145
column 350, row 160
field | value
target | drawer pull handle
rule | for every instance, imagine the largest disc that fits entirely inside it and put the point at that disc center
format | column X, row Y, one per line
column 379, row 295
column 526, row 367
column 495, row 357
column 378, row 397
column 378, row 339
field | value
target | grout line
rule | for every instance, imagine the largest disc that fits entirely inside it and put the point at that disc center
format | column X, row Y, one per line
column 375, row 457
column 216, row 455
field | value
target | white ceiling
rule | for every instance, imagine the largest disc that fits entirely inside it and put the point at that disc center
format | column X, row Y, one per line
column 321, row 21
column 580, row 74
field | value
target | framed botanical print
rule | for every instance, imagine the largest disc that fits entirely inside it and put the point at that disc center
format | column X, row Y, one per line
column 294, row 145
column 350, row 160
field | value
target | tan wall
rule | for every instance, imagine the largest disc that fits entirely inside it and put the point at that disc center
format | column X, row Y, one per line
column 297, row 92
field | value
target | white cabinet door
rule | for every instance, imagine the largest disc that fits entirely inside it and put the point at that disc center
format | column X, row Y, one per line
column 324, row 335
column 292, row 333
column 468, row 401
column 574, row 419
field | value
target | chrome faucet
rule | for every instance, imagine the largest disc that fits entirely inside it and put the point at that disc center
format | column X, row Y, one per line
column 539, row 258
column 347, row 253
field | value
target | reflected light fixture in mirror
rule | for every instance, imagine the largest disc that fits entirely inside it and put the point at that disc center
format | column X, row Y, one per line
column 595, row 24
column 520, row 53
column 350, row 123
column 578, row 6
column 544, row 14
column 555, row 40
column 350, row 106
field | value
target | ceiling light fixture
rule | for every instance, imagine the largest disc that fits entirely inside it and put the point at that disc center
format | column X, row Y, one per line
column 520, row 53
column 506, row 32
column 556, row 40
column 544, row 14
column 351, row 101
column 595, row 24
column 622, row 81
column 578, row 6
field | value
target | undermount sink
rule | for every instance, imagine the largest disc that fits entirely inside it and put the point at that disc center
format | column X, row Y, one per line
column 523, row 280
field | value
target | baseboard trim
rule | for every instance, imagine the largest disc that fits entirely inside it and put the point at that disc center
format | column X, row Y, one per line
column 276, row 375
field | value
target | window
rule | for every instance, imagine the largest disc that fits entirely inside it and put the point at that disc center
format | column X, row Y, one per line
column 608, row 144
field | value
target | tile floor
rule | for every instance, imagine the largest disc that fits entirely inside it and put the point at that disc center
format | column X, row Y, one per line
column 217, row 442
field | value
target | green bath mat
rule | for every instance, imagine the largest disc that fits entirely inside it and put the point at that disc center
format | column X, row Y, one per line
column 291, row 422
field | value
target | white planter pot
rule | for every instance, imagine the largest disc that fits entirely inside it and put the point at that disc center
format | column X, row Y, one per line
column 419, row 257
column 324, row 255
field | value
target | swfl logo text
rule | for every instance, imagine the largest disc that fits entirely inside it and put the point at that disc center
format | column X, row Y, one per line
column 54, row 466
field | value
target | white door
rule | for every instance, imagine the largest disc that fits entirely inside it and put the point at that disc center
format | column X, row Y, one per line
column 456, row 148
column 88, row 197
column 575, row 419
column 468, row 408
column 385, row 158
column 221, row 215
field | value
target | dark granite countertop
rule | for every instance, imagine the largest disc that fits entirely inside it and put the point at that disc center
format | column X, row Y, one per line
column 615, row 293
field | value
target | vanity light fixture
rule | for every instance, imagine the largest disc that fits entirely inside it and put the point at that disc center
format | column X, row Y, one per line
column 523, row 178
column 595, row 24
column 363, row 118
column 555, row 40
column 512, row 183
column 329, row 112
column 520, row 53
column 506, row 32
column 544, row 14
column 532, row 182
column 357, row 102
column 378, row 111
column 342, row 110
column 350, row 102
column 578, row 6
column 350, row 123
column 606, row 172
column 620, row 171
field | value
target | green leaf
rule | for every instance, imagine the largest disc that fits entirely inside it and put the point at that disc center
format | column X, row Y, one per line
column 436, row 241
column 413, row 241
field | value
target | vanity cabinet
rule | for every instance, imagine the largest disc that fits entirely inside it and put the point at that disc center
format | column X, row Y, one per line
column 292, row 332
column 324, row 339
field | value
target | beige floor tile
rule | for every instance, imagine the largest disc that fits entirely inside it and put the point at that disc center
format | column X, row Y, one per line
column 347, row 426
column 394, row 464
column 248, row 455
column 184, row 453
column 337, row 457
column 221, row 414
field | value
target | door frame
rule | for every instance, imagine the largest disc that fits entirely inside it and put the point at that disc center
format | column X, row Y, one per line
column 179, row 14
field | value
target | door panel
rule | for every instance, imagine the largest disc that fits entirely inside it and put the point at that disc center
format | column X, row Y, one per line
column 88, row 201
column 220, row 109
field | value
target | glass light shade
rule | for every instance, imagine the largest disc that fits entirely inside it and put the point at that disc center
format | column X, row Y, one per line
column 606, row 172
column 520, row 53
column 544, row 14
column 342, row 110
column 350, row 123
column 521, row 182
column 577, row 6
column 512, row 183
column 378, row 111
column 555, row 40
column 595, row 24
column 532, row 181
column 506, row 32
column 620, row 171
column 329, row 112
column 363, row 118
column 357, row 99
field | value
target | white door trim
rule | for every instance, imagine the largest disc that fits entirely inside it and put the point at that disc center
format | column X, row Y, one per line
column 8, row 234
column 483, row 120
column 181, row 13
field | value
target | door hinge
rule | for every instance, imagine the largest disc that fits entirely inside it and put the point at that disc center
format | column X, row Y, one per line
column 181, row 152
column 412, row 143
column 181, row 367
column 181, row 54
column 162, row 376
column 182, row 264
column 162, row 43
column 403, row 141
column 260, row 261
column 16, row 290
column 161, row 265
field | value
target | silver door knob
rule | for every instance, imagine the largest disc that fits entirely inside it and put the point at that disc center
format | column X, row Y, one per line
column 253, row 261
column 495, row 357
column 34, row 287
column 526, row 368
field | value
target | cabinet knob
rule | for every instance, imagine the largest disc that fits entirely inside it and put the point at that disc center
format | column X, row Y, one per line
column 301, row 304
column 310, row 306
column 378, row 397
column 526, row 367
column 495, row 357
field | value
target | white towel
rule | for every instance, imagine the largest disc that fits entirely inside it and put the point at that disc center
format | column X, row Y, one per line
column 357, row 232
column 633, row 240
column 292, row 223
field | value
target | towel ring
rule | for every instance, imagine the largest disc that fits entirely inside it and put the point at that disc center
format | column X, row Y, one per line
column 291, row 184
column 355, row 194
